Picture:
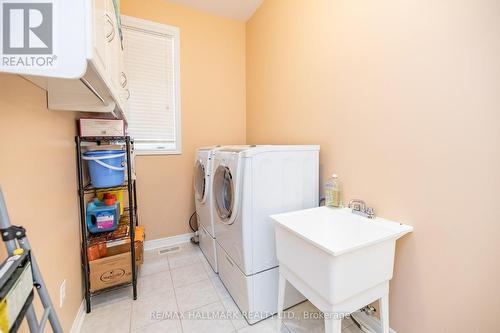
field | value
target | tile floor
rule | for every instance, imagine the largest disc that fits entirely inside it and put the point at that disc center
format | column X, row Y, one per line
column 184, row 282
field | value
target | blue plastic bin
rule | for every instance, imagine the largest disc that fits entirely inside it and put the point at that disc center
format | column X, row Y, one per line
column 106, row 167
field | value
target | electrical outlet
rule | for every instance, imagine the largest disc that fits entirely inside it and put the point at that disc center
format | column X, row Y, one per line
column 62, row 293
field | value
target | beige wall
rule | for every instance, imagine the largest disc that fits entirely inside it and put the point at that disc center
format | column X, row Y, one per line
column 403, row 97
column 213, row 109
column 38, row 178
column 37, row 163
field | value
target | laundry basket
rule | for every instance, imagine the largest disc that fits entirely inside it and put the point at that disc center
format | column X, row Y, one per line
column 106, row 167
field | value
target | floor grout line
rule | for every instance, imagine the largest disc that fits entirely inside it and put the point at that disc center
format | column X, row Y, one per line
column 222, row 303
column 208, row 278
column 207, row 268
column 131, row 313
column 175, row 294
column 152, row 323
column 223, row 298
column 188, row 284
column 169, row 270
column 187, row 265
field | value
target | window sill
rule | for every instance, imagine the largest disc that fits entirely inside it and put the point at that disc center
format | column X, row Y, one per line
column 157, row 152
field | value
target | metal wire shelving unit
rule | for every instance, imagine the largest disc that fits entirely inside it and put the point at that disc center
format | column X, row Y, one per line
column 128, row 221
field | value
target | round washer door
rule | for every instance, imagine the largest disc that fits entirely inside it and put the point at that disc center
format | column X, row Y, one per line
column 200, row 182
column 223, row 191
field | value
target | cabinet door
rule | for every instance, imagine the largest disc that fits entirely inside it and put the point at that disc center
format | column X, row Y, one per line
column 114, row 47
column 102, row 29
column 116, row 61
column 124, row 89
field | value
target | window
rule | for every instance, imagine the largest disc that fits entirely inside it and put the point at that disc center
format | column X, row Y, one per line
column 151, row 53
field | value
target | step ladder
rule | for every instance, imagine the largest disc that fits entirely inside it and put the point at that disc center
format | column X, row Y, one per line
column 17, row 243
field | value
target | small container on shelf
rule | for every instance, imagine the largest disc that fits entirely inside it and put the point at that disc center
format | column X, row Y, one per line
column 101, row 194
column 102, row 216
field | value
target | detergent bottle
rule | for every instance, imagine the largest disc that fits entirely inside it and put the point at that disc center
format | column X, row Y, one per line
column 102, row 216
column 333, row 192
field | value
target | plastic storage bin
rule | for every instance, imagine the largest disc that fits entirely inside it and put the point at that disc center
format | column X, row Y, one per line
column 106, row 167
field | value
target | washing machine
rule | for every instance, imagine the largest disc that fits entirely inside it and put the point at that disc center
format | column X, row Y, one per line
column 204, row 203
column 249, row 185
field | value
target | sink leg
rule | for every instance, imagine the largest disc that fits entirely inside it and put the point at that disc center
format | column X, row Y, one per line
column 281, row 301
column 384, row 313
column 333, row 325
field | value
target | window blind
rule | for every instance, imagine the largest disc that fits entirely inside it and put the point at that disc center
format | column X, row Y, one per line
column 150, row 64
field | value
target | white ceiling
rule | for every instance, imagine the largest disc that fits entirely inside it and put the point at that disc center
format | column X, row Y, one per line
column 236, row 9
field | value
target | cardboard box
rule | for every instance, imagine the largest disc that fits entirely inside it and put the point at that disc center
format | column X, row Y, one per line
column 110, row 271
column 101, row 127
column 115, row 268
column 122, row 246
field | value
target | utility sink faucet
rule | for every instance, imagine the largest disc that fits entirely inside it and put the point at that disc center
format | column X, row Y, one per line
column 359, row 207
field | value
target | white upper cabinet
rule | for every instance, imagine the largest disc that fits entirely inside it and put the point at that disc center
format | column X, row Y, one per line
column 101, row 31
column 77, row 58
column 115, row 56
column 46, row 38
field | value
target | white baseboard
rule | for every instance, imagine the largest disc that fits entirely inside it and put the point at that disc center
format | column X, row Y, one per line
column 80, row 317
column 167, row 241
column 371, row 322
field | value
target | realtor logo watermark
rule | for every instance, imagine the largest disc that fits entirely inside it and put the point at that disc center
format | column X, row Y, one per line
column 27, row 34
